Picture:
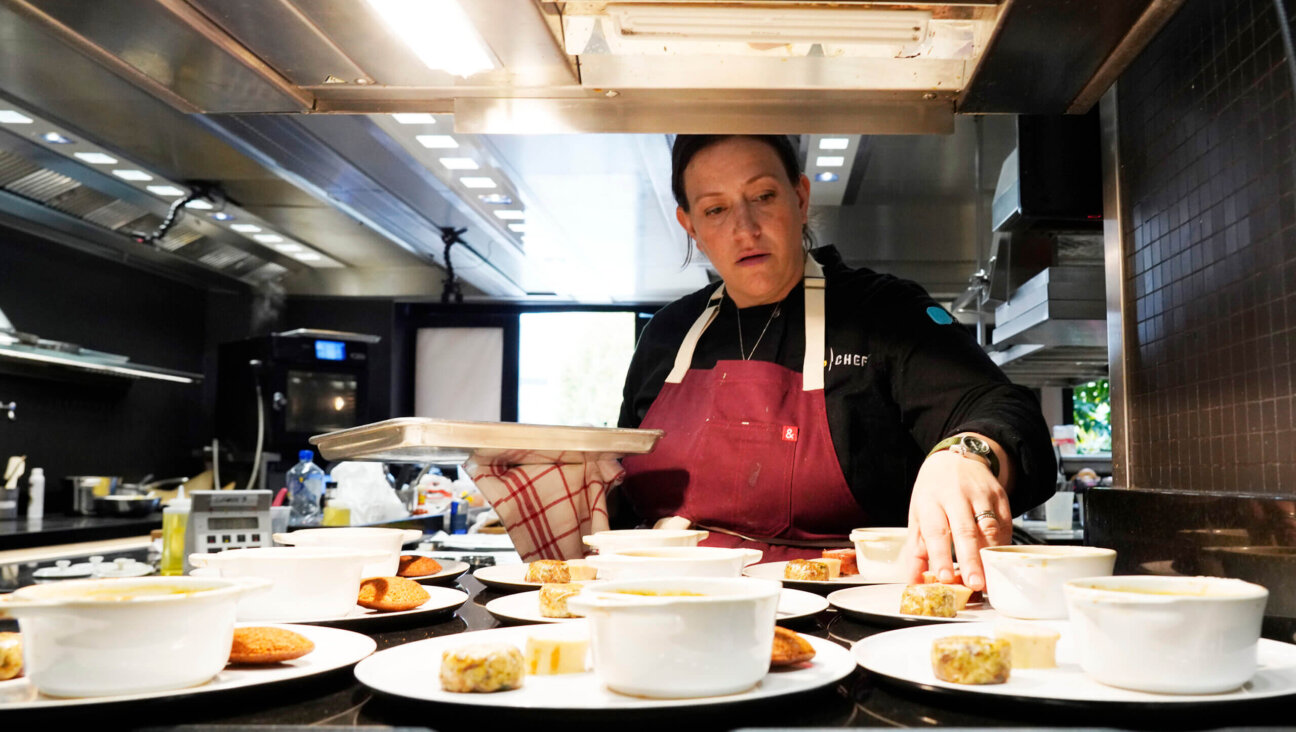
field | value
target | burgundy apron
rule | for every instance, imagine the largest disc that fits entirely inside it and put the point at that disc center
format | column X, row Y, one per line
column 747, row 452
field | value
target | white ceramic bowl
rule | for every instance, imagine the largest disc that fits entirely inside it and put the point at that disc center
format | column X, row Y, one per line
column 1026, row 581
column 104, row 637
column 1175, row 635
column 616, row 540
column 649, row 640
column 673, row 561
column 877, row 553
column 358, row 537
column 309, row 581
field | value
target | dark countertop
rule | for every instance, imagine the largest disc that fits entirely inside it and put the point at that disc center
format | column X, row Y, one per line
column 53, row 529
column 860, row 700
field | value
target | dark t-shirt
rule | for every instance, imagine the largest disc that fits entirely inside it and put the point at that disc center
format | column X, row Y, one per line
column 901, row 376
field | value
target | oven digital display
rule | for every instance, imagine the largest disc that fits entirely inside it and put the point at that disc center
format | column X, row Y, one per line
column 330, row 350
column 226, row 523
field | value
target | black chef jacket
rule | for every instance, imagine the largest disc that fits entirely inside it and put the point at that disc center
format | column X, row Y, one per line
column 901, row 376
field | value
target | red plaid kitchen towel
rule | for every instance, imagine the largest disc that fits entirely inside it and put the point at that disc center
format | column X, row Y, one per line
column 546, row 507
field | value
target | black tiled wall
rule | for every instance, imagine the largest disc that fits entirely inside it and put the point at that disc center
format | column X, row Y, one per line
column 1207, row 127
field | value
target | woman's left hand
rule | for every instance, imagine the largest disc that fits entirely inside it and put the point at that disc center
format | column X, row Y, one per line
column 955, row 499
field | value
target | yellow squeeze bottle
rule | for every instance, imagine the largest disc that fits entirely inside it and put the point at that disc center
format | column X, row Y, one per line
column 175, row 518
column 336, row 513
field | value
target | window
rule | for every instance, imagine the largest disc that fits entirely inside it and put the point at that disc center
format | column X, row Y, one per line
column 1092, row 411
column 572, row 366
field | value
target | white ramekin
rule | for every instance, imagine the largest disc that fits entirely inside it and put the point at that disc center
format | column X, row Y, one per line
column 1025, row 581
column 673, row 561
column 309, row 581
column 358, row 537
column 1174, row 635
column 105, row 637
column 877, row 553
column 714, row 642
column 616, row 540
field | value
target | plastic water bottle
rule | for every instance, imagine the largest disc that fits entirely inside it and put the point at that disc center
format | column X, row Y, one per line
column 36, row 494
column 305, row 489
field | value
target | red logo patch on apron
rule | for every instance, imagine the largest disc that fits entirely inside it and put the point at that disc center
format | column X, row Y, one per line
column 789, row 433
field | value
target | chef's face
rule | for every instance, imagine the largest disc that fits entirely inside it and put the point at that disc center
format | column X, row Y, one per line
column 746, row 217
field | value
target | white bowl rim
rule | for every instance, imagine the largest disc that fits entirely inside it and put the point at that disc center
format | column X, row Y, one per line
column 313, row 552
column 748, row 588
column 1050, row 551
column 673, row 553
column 346, row 530
column 208, row 587
column 1088, row 587
column 645, row 533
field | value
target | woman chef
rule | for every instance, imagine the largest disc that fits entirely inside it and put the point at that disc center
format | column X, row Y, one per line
column 801, row 398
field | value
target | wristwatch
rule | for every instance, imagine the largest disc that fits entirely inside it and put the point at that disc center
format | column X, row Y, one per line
column 971, row 447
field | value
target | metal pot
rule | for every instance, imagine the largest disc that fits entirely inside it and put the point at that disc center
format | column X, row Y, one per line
column 126, row 505
column 85, row 488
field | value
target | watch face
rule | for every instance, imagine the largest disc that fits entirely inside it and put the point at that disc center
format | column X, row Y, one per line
column 976, row 445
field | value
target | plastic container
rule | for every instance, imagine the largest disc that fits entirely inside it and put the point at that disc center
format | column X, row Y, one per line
column 458, row 518
column 36, row 494
column 175, row 521
column 336, row 511
column 305, row 489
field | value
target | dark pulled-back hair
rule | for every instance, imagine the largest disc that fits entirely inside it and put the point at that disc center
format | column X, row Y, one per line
column 688, row 146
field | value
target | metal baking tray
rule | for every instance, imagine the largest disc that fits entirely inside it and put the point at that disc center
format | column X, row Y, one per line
column 426, row 440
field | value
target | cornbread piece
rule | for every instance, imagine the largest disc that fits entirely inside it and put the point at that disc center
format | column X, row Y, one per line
column 962, row 594
column 1033, row 646
column 936, row 601
column 833, row 565
column 416, row 566
column 971, row 659
column 790, row 648
column 802, row 569
column 11, row 658
column 545, row 656
column 929, row 578
column 548, row 570
column 485, row 667
column 268, row 645
column 579, row 569
column 846, row 557
column 553, row 599
column 391, row 594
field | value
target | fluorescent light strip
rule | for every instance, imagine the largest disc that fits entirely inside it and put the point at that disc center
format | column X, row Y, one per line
column 510, row 214
column 477, row 182
column 834, row 143
column 830, row 161
column 268, row 238
column 170, row 191
column 307, row 257
column 134, row 175
column 495, row 199
column 517, row 227
column 459, row 163
column 289, row 247
column 245, row 228
column 414, row 118
column 10, row 117
column 199, row 204
column 438, row 32
column 437, row 142
column 96, row 158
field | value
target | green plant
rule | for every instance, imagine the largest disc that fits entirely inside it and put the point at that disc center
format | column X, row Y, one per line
column 1092, row 405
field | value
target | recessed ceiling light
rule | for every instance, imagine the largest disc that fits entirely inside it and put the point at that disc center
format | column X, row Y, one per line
column 268, row 238
column 510, row 214
column 307, row 257
column 414, row 118
column 834, row 143
column 246, row 228
column 171, row 191
column 96, row 158
column 289, row 247
column 10, row 117
column 199, row 204
column 459, row 163
column 222, row 216
column 439, row 32
column 55, row 138
column 132, row 175
column 825, row 177
column 495, row 199
column 437, row 142
column 478, row 182
column 517, row 227
column 830, row 161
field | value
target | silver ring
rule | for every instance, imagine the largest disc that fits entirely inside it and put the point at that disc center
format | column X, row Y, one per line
column 986, row 514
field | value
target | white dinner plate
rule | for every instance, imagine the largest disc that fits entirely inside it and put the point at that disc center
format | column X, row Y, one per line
column 881, row 604
column 524, row 607
column 475, row 542
column 410, row 671
column 440, row 599
column 505, row 577
column 904, row 655
column 450, row 569
column 334, row 648
column 774, row 571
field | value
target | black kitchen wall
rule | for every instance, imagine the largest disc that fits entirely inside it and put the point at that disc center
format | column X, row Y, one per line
column 1207, row 142
column 127, row 428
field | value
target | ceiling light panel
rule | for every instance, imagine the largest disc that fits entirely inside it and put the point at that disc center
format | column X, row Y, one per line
column 437, row 142
column 459, row 163
column 830, row 161
column 439, row 33
column 132, row 175
column 11, row 117
column 95, row 158
column 168, row 191
column 509, row 214
column 245, row 228
column 834, row 143
column 414, row 118
column 477, row 182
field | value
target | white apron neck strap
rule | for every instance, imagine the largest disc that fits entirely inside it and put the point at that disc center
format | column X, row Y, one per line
column 684, row 356
column 812, row 366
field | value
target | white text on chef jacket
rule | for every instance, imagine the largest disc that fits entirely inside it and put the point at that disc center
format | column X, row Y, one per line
column 846, row 359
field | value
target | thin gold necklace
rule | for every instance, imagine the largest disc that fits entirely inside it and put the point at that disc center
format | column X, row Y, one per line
column 741, row 350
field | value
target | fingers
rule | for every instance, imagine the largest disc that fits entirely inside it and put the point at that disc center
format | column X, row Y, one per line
column 915, row 553
column 934, row 528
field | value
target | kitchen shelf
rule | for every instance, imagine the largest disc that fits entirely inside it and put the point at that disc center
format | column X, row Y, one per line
column 46, row 362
